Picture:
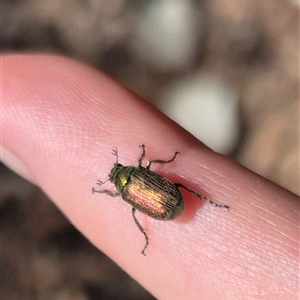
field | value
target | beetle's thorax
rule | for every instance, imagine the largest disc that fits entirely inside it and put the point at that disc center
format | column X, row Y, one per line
column 119, row 176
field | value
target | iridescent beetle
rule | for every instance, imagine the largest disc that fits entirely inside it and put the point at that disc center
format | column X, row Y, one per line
column 148, row 192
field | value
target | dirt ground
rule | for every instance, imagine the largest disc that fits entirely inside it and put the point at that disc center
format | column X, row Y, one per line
column 253, row 44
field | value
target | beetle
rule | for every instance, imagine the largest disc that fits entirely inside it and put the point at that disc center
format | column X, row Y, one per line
column 148, row 192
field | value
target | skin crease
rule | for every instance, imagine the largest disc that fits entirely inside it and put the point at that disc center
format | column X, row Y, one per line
column 60, row 120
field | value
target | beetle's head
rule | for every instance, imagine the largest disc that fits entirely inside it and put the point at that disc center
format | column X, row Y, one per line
column 114, row 171
column 116, row 168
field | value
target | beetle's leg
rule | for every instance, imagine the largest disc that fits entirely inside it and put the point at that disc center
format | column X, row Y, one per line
column 142, row 156
column 99, row 182
column 160, row 161
column 115, row 153
column 109, row 193
column 202, row 196
column 141, row 229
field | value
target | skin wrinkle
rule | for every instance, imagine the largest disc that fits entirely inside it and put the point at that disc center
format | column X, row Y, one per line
column 221, row 178
column 252, row 263
column 276, row 268
column 245, row 253
column 273, row 223
column 258, row 229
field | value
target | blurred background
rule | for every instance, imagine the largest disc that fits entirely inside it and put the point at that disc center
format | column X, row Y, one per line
column 227, row 71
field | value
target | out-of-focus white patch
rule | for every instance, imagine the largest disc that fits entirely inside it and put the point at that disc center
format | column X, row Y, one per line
column 295, row 2
column 207, row 108
column 167, row 34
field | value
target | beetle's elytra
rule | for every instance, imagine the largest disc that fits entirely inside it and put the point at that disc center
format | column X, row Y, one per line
column 148, row 192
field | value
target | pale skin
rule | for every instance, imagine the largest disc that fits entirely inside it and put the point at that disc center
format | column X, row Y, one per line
column 60, row 120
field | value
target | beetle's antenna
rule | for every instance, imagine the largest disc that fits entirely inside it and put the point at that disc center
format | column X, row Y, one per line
column 115, row 152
